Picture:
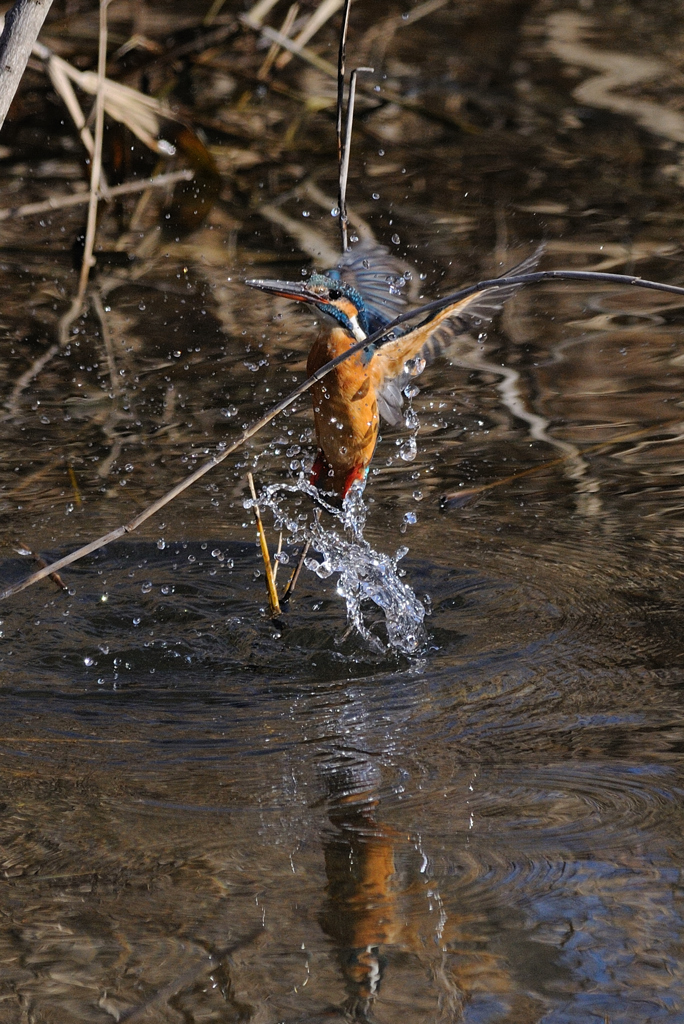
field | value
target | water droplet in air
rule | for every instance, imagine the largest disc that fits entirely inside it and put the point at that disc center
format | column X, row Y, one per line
column 146, row 587
column 409, row 450
column 396, row 239
column 375, row 195
column 88, row 662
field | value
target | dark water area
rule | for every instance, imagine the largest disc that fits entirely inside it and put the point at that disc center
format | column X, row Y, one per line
column 210, row 815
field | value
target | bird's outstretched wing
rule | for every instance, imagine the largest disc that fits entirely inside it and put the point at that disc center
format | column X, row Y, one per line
column 429, row 340
column 382, row 279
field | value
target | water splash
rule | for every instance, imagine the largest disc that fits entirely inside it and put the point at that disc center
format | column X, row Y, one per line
column 365, row 575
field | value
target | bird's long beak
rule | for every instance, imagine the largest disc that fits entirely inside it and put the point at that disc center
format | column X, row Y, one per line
column 296, row 290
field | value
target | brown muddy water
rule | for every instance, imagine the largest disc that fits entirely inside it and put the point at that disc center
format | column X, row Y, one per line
column 209, row 816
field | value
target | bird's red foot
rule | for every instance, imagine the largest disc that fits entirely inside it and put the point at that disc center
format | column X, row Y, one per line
column 319, row 467
column 357, row 473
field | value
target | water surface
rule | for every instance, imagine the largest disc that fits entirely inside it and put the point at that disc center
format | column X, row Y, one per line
column 208, row 815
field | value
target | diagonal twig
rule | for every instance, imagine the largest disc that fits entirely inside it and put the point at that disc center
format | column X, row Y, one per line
column 81, row 198
column 373, row 340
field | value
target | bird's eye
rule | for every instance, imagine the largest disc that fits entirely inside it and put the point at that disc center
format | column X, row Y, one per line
column 333, row 295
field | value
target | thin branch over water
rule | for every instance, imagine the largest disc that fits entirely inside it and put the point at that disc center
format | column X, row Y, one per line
column 375, row 340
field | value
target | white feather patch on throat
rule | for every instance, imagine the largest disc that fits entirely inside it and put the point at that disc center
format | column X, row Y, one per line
column 357, row 330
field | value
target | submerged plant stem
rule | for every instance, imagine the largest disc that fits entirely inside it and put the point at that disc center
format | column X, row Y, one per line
column 265, row 554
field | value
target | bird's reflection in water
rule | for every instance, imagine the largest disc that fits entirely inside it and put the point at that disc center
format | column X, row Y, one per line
column 377, row 913
column 360, row 910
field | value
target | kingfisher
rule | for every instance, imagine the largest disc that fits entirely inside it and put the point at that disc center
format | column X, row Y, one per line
column 362, row 294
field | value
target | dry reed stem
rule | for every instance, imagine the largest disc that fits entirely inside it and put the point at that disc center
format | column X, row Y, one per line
column 256, row 15
column 323, row 13
column 141, row 113
column 274, row 49
column 270, row 578
column 317, row 195
column 213, row 12
column 346, row 156
column 96, row 160
column 339, row 118
column 290, row 44
column 81, row 198
column 276, row 560
column 387, row 95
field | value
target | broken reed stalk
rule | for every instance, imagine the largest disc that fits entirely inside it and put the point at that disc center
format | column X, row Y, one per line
column 373, row 340
column 344, row 144
column 292, row 582
column 277, row 556
column 270, row 579
column 346, row 154
column 20, row 31
column 96, row 164
column 341, row 71
column 80, row 198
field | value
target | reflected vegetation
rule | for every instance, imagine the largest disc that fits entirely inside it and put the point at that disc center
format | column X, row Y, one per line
column 210, row 815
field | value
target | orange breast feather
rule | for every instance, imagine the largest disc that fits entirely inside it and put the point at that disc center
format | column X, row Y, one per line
column 345, row 406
